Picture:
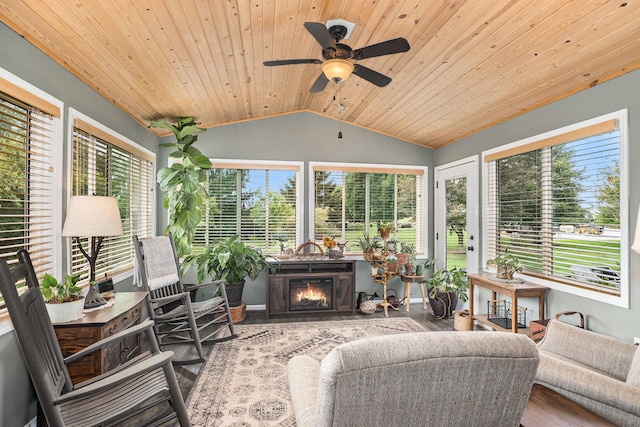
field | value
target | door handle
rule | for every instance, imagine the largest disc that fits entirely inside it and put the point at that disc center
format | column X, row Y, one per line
column 470, row 248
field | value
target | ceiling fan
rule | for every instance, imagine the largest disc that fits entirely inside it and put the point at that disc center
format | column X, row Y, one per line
column 339, row 58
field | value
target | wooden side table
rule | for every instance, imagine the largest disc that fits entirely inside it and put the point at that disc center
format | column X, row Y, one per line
column 99, row 324
column 408, row 280
column 512, row 290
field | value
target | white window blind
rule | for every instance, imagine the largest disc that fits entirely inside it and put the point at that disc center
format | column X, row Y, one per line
column 555, row 205
column 259, row 202
column 117, row 169
column 349, row 201
column 26, row 183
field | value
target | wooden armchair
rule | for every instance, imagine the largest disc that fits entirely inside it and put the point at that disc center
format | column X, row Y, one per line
column 145, row 387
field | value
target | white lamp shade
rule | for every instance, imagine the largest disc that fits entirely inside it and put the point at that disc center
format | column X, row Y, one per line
column 636, row 241
column 337, row 69
column 92, row 216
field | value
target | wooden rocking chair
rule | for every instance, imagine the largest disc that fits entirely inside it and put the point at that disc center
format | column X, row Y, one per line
column 136, row 388
column 179, row 320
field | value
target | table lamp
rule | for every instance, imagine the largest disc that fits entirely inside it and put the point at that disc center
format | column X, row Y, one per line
column 96, row 217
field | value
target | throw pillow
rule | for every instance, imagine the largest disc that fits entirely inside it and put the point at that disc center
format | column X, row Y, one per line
column 633, row 377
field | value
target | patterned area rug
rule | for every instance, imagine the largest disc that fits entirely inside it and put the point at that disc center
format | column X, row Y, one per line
column 244, row 381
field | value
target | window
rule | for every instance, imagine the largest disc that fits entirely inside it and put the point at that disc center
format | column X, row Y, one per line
column 350, row 200
column 555, row 202
column 105, row 164
column 29, row 128
column 259, row 201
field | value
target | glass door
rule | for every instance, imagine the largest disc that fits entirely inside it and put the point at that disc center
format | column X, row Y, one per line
column 456, row 215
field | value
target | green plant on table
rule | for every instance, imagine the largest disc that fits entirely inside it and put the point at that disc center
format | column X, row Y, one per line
column 55, row 292
column 506, row 265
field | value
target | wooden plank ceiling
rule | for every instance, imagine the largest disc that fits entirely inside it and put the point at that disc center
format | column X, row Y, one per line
column 472, row 64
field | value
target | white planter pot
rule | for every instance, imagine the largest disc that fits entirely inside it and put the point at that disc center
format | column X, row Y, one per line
column 66, row 311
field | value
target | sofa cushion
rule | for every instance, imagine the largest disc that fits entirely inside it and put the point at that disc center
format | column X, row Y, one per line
column 634, row 372
column 589, row 349
column 587, row 387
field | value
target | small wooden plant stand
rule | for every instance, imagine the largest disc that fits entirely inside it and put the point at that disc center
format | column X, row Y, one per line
column 382, row 276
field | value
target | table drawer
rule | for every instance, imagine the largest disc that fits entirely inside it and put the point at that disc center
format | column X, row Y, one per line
column 537, row 329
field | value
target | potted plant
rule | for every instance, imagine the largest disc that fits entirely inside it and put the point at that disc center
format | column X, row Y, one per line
column 445, row 288
column 182, row 182
column 392, row 264
column 506, row 265
column 407, row 257
column 369, row 245
column 230, row 260
column 407, row 250
column 392, row 245
column 64, row 300
column 385, row 229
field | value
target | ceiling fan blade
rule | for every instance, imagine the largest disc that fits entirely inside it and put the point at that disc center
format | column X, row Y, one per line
column 291, row 61
column 384, row 48
column 320, row 84
column 369, row 75
column 321, row 34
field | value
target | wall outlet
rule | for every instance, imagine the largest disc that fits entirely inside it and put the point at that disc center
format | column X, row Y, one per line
column 636, row 340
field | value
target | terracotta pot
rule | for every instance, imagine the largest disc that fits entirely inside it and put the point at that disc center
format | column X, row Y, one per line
column 409, row 269
column 384, row 233
column 393, row 267
column 402, row 258
column 368, row 254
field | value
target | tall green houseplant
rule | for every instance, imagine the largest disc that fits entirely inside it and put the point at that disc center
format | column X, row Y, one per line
column 182, row 182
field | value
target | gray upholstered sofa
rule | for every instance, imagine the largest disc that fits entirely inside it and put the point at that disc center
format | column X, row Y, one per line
column 416, row 379
column 598, row 372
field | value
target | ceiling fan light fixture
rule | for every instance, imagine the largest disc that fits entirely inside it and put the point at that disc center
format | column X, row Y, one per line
column 337, row 70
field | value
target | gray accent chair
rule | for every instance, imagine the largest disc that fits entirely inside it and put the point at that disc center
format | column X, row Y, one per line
column 417, row 379
column 598, row 372
column 178, row 319
column 145, row 387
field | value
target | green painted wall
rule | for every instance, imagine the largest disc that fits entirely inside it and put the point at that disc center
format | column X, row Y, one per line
column 608, row 97
column 309, row 137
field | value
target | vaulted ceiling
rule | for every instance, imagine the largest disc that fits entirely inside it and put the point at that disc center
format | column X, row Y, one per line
column 472, row 64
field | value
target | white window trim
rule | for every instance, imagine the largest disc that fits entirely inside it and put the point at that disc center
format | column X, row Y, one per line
column 425, row 193
column 217, row 163
column 623, row 299
column 77, row 115
column 7, row 326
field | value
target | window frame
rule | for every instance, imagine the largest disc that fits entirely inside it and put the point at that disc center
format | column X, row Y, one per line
column 621, row 116
column 374, row 168
column 294, row 166
column 124, row 143
column 30, row 94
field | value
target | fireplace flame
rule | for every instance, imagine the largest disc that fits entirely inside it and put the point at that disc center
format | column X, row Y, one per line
column 311, row 294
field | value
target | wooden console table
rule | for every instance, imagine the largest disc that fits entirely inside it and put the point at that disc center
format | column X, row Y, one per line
column 341, row 272
column 512, row 290
column 99, row 324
